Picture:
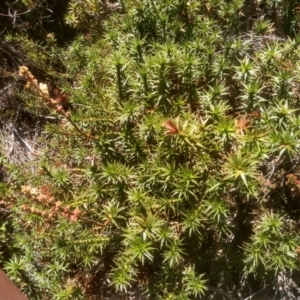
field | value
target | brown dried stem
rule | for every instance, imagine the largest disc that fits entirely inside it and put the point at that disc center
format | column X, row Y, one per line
column 42, row 90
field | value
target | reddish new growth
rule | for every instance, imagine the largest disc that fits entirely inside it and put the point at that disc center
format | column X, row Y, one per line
column 242, row 124
column 75, row 215
column 293, row 182
column 61, row 97
column 298, row 252
column 171, row 127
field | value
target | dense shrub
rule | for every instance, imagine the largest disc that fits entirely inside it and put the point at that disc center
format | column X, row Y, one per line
column 170, row 165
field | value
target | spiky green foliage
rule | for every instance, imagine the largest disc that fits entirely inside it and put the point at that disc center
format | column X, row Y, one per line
column 174, row 167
